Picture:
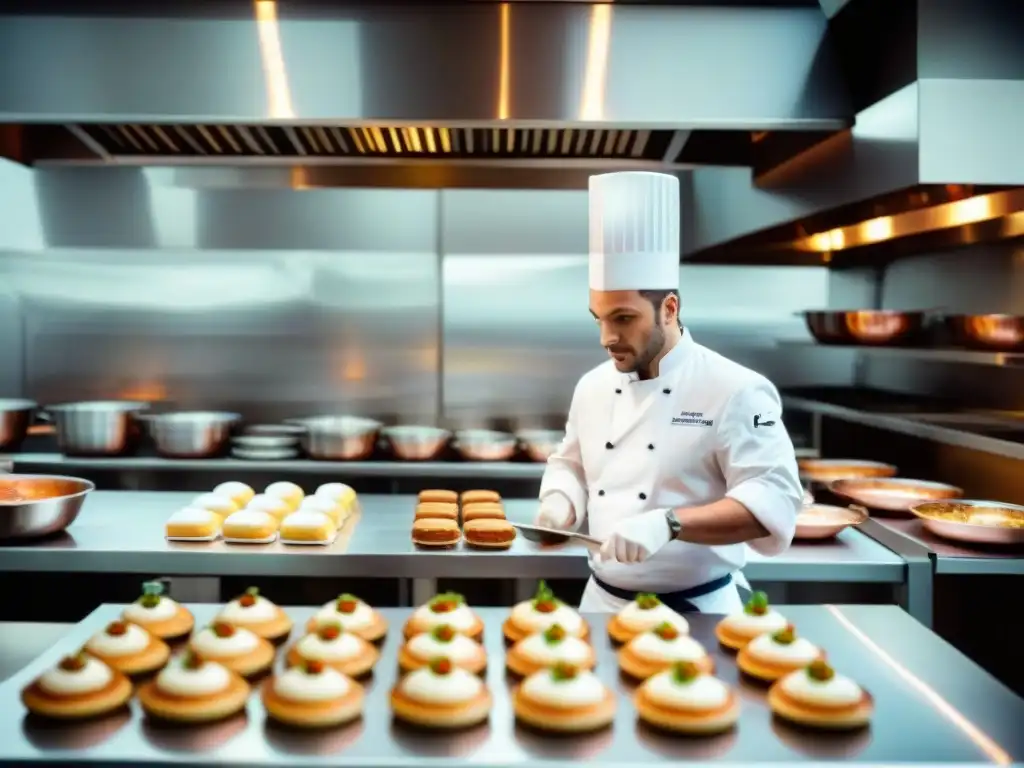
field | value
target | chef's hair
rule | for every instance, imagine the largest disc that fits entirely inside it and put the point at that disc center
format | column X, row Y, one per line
column 657, row 298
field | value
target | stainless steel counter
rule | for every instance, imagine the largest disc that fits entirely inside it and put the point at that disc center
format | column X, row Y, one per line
column 924, row 692
column 951, row 558
column 122, row 531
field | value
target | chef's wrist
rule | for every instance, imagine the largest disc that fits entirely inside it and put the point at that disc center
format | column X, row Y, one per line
column 672, row 523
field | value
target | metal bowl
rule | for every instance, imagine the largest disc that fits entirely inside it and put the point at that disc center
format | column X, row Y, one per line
column 38, row 505
column 974, row 522
column 1001, row 333
column 892, row 494
column 827, row 470
column 98, row 428
column 875, row 327
column 15, row 418
column 817, row 522
column 338, row 438
column 192, row 434
column 416, row 443
column 539, row 444
column 485, row 445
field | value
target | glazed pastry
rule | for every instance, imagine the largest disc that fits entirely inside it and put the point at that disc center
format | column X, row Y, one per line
column 158, row 614
column 272, row 505
column 254, row 612
column 685, row 699
column 289, row 493
column 353, row 615
column 221, row 505
column 432, row 532
column 549, row 648
column 447, row 608
column 769, row 657
column 344, row 651
column 489, row 534
column 757, row 618
column 436, row 510
column 312, row 695
column 658, row 649
column 79, row 687
column 308, row 527
column 193, row 690
column 237, row 649
column 324, row 506
column 474, row 497
column 817, row 697
column 343, row 495
column 250, row 525
column 544, row 610
column 564, row 699
column 443, row 641
column 444, row 497
column 128, row 648
column 482, row 511
column 642, row 615
column 240, row 493
column 441, row 695
column 193, row 523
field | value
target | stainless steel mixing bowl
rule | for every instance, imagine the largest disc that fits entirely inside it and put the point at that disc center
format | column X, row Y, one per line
column 485, row 445
column 192, row 434
column 538, row 444
column 338, row 438
column 414, row 443
column 15, row 418
column 38, row 505
column 99, row 428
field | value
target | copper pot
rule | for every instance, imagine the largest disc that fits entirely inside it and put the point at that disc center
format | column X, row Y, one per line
column 868, row 327
column 999, row 333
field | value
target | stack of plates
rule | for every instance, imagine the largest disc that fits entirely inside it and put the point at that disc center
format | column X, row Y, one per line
column 269, row 442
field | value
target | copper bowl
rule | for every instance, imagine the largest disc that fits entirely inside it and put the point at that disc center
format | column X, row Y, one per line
column 999, row 333
column 817, row 522
column 38, row 505
column 875, row 327
column 892, row 494
column 973, row 522
column 827, row 470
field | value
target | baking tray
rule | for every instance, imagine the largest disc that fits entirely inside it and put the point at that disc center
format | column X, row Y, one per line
column 906, row 728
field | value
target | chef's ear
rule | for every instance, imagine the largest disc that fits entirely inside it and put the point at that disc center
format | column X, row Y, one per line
column 670, row 309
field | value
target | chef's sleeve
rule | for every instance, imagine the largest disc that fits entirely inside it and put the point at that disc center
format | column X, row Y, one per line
column 564, row 480
column 759, row 464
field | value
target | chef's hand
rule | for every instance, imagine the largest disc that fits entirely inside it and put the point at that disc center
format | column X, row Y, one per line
column 555, row 512
column 636, row 539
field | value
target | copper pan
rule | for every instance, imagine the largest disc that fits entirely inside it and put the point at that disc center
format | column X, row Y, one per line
column 817, row 522
column 893, row 495
column 999, row 333
column 974, row 522
column 827, row 470
column 867, row 327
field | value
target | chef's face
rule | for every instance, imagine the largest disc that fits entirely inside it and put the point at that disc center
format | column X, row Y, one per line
column 632, row 326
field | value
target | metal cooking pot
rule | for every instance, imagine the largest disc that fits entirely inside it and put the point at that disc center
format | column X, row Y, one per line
column 338, row 438
column 15, row 419
column 485, row 445
column 865, row 327
column 1000, row 333
column 38, row 505
column 100, row 428
column 539, row 444
column 192, row 434
column 414, row 443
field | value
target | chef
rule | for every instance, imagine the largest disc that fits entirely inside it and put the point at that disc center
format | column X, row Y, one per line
column 676, row 456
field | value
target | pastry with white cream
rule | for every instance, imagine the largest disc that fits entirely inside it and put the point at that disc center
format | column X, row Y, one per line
column 250, row 525
column 191, row 689
column 686, row 699
column 272, row 505
column 441, row 696
column 542, row 611
column 446, row 608
column 353, row 615
column 658, row 649
column 289, row 493
column 236, row 648
column 79, row 687
column 771, row 656
column 128, row 648
column 324, row 506
column 818, row 697
column 240, row 493
column 193, row 523
column 259, row 615
column 158, row 614
column 564, row 699
column 343, row 495
column 443, row 641
column 643, row 614
column 344, row 651
column 308, row 527
column 217, row 503
column 757, row 618
column 546, row 649
column 312, row 695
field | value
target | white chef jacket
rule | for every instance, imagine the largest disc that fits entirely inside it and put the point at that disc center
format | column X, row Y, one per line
column 704, row 429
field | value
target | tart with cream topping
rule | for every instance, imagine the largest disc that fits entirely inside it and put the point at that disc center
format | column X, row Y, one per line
column 254, row 612
column 817, row 697
column 544, row 610
column 446, row 608
column 343, row 495
column 219, row 504
column 79, row 687
column 658, row 649
column 774, row 655
column 549, row 648
column 278, row 508
column 240, row 493
column 757, row 618
column 158, row 614
column 325, row 506
column 564, row 699
column 237, row 648
column 443, row 641
column 128, row 648
column 191, row 689
column 353, row 615
column 685, row 699
column 287, row 492
column 330, row 644
column 642, row 615
column 312, row 695
column 441, row 695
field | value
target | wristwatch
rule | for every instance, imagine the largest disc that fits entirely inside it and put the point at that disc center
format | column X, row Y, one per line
column 675, row 528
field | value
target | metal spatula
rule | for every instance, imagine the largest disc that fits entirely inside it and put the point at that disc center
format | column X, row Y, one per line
column 549, row 536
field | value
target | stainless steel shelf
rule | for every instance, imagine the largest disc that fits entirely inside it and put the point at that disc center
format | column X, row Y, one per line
column 946, row 355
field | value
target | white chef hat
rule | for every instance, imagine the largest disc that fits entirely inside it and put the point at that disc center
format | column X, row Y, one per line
column 634, row 231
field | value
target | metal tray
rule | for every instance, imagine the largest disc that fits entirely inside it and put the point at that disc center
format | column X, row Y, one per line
column 967, row 530
column 895, row 495
column 828, row 470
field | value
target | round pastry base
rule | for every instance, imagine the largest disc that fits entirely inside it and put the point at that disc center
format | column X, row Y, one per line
column 446, row 544
column 176, row 627
column 764, row 671
column 731, row 639
column 476, row 544
column 372, row 632
column 572, row 720
column 478, row 497
column 438, row 497
column 413, row 628
column 407, row 662
column 313, row 714
column 441, row 717
column 619, row 633
column 198, row 709
column 514, row 633
column 276, row 630
column 151, row 658
column 641, row 668
column 82, row 706
column 821, row 718
column 360, row 665
column 687, row 721
column 251, row 664
column 521, row 665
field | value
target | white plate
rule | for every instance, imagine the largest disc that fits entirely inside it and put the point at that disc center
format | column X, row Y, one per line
column 268, row 540
column 264, row 454
column 193, row 538
column 298, row 543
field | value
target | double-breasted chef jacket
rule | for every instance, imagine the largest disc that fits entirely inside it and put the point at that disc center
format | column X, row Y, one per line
column 704, row 429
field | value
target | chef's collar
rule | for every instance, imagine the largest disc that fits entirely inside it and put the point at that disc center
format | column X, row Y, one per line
column 670, row 362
